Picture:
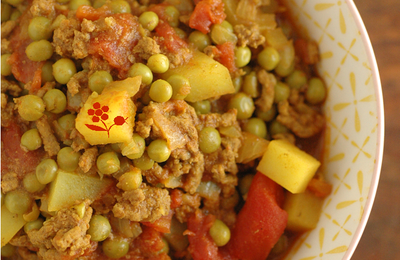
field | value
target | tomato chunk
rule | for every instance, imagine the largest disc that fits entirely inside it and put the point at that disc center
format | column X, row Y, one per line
column 227, row 56
column 90, row 13
column 163, row 224
column 207, row 13
column 261, row 221
column 114, row 40
column 201, row 244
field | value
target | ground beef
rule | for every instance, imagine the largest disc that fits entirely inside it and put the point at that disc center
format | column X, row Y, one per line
column 10, row 87
column 5, row 46
column 249, row 36
column 300, row 118
column 6, row 28
column 77, row 81
column 63, row 38
column 188, row 206
column 50, row 143
column 143, row 204
column 9, row 181
column 145, row 48
column 44, row 8
column 88, row 159
column 266, row 99
column 78, row 141
column 63, row 235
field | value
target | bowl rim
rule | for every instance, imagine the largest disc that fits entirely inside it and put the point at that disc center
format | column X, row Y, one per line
column 380, row 128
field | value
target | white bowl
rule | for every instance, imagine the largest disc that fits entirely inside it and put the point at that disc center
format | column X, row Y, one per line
column 355, row 126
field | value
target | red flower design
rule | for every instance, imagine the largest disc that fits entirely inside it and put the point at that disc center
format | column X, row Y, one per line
column 104, row 116
column 119, row 120
column 99, row 113
column 105, row 108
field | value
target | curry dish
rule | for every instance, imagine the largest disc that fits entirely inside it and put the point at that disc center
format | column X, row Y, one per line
column 149, row 129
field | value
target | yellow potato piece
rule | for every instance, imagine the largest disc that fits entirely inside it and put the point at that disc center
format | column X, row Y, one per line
column 288, row 166
column 303, row 211
column 208, row 78
column 10, row 225
column 69, row 188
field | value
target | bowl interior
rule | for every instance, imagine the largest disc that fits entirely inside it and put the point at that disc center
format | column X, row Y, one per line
column 354, row 135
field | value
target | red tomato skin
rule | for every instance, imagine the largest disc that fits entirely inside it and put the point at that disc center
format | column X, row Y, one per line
column 261, row 221
column 201, row 244
column 163, row 224
column 227, row 56
column 207, row 13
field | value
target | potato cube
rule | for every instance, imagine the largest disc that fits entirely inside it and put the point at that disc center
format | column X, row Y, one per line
column 107, row 118
column 288, row 166
column 69, row 188
column 10, row 225
column 208, row 78
column 303, row 211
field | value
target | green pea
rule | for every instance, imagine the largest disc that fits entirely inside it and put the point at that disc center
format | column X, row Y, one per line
column 160, row 91
column 158, row 63
column 67, row 122
column 172, row 15
column 18, row 201
column 15, row 15
column 31, row 107
column 296, row 79
column 180, row 86
column 99, row 3
column 202, row 107
column 33, row 225
column 31, row 139
column 282, row 92
column 39, row 50
column 55, row 101
column 284, row 71
column 277, row 128
column 39, row 28
column 243, row 104
column 144, row 162
column 149, row 20
column 140, row 69
column 74, row 4
column 5, row 66
column 158, row 150
column 108, row 163
column 57, row 22
column 68, row 159
column 199, row 40
column 244, row 183
column 47, row 72
column 145, row 99
column 7, row 250
column 99, row 228
column 116, row 247
column 14, row 2
column 237, row 83
column 141, row 144
column 32, row 184
column 256, row 126
column 268, row 58
column 209, row 140
column 130, row 180
column 220, row 233
column 221, row 34
column 242, row 56
column 227, row 26
column 181, row 33
column 120, row 7
column 63, row 70
column 5, row 12
column 98, row 80
column 316, row 91
column 267, row 116
column 250, row 85
column 46, row 171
